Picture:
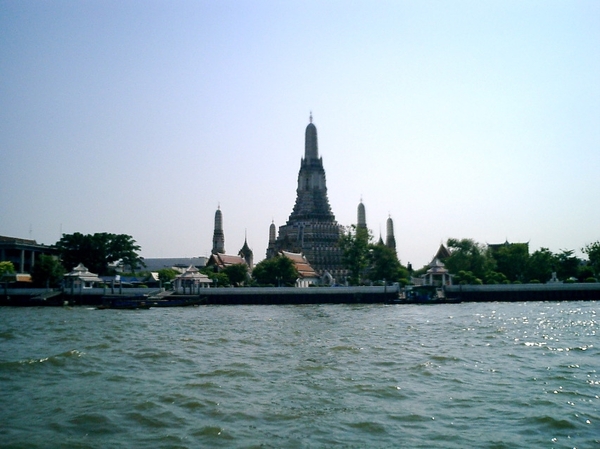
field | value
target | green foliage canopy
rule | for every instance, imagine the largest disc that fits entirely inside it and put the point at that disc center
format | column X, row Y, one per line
column 355, row 245
column 472, row 262
column 469, row 256
column 167, row 274
column 384, row 265
column 6, row 267
column 99, row 250
column 278, row 270
column 236, row 273
column 511, row 260
column 47, row 272
column 593, row 252
column 540, row 265
column 568, row 264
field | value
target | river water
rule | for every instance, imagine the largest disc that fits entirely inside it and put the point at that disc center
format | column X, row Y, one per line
column 485, row 375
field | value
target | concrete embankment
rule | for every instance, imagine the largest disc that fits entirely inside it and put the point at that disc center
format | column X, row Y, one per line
column 292, row 295
column 524, row 292
column 245, row 295
column 316, row 295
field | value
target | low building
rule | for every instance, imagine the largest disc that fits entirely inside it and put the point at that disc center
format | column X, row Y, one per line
column 437, row 275
column 81, row 278
column 23, row 253
column 191, row 280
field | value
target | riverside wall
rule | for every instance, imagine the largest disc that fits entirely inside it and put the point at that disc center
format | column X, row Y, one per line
column 524, row 292
column 223, row 296
column 314, row 295
column 293, row 295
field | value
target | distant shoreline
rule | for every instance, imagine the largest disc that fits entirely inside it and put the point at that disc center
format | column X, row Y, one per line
column 318, row 295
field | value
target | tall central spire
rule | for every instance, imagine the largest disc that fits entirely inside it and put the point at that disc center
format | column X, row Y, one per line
column 311, row 200
column 362, row 216
column 311, row 147
column 311, row 228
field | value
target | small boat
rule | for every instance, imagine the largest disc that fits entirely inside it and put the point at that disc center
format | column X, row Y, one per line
column 424, row 294
column 125, row 302
column 176, row 302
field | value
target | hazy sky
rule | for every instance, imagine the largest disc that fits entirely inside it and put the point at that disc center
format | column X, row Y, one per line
column 466, row 119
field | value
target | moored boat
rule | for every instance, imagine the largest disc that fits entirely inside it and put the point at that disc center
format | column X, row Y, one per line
column 424, row 294
column 125, row 302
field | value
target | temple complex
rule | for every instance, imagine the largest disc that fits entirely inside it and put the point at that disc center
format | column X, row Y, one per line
column 311, row 228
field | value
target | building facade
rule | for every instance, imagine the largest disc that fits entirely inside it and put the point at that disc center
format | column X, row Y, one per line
column 23, row 253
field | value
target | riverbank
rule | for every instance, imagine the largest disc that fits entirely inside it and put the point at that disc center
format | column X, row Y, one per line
column 314, row 295
column 524, row 292
column 215, row 296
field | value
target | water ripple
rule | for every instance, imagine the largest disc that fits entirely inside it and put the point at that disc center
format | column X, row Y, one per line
column 450, row 376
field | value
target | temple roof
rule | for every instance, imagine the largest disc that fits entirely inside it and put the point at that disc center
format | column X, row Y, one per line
column 442, row 253
column 245, row 251
column 301, row 263
column 225, row 260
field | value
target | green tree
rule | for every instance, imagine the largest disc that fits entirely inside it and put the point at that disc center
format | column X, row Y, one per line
column 122, row 248
column 586, row 274
column 47, row 272
column 469, row 256
column 237, row 274
column 467, row 278
column 6, row 268
column 384, row 265
column 355, row 245
column 166, row 275
column 219, row 278
column 278, row 270
column 540, row 265
column 567, row 264
column 494, row 277
column 99, row 250
column 593, row 252
column 511, row 260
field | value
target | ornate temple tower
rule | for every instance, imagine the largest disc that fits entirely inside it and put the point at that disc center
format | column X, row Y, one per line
column 271, row 251
column 247, row 254
column 362, row 216
column 218, row 235
column 311, row 228
column 390, row 240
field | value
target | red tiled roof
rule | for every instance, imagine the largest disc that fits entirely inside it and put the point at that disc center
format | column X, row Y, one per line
column 302, row 265
column 225, row 260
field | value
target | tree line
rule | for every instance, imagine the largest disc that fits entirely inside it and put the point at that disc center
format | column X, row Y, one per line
column 366, row 262
column 474, row 263
column 469, row 262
